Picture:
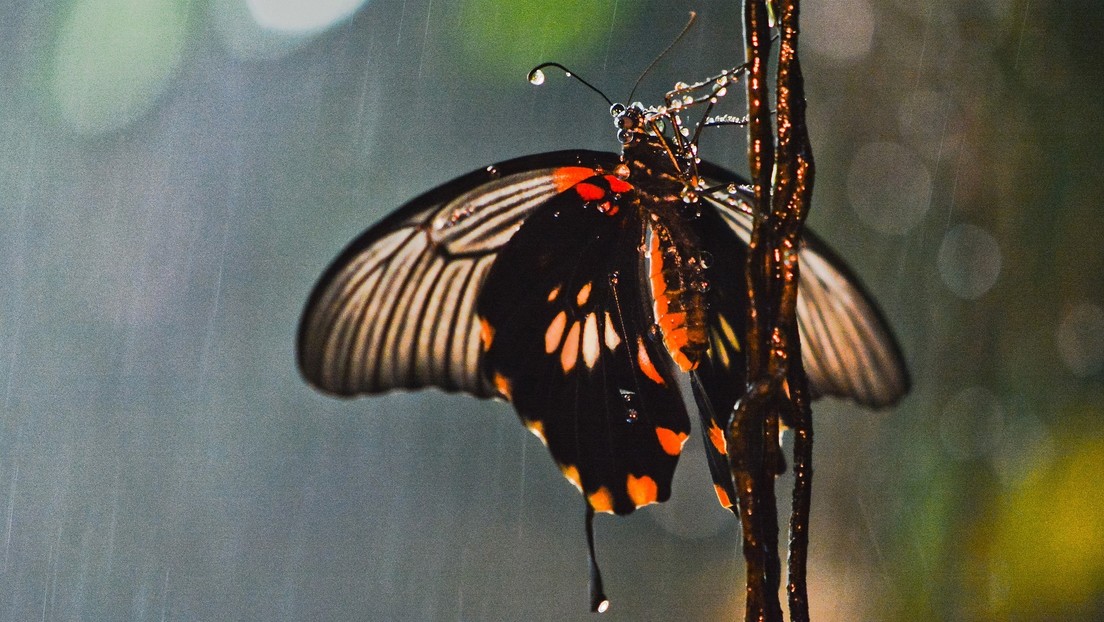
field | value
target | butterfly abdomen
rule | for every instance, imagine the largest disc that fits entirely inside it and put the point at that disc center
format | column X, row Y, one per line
column 677, row 284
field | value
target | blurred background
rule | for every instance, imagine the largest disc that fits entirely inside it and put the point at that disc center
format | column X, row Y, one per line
column 175, row 175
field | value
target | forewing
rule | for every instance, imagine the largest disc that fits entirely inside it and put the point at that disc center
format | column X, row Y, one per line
column 569, row 343
column 397, row 308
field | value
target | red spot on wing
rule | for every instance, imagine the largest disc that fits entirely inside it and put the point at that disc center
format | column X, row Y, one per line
column 567, row 176
column 617, row 185
column 589, row 192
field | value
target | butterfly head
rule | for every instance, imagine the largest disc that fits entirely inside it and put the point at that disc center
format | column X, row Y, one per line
column 647, row 147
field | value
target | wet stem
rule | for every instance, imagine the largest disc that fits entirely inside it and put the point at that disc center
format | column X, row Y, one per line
column 777, row 388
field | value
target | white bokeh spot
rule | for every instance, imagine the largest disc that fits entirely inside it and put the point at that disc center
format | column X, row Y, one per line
column 1081, row 339
column 842, row 30
column 301, row 16
column 889, row 187
column 969, row 261
column 972, row 424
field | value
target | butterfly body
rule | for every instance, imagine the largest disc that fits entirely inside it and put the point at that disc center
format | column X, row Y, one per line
column 577, row 285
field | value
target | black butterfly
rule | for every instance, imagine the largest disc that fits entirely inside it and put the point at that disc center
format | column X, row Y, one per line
column 576, row 285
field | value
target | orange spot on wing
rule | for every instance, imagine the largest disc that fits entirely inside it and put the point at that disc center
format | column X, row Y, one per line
column 503, row 385
column 486, row 333
column 554, row 334
column 722, row 496
column 572, row 474
column 584, row 294
column 601, row 500
column 591, row 344
column 671, row 441
column 642, row 490
column 537, row 428
column 589, row 192
column 618, row 185
column 716, row 436
column 570, row 352
column 567, row 176
column 552, row 294
column 646, row 363
column 611, row 337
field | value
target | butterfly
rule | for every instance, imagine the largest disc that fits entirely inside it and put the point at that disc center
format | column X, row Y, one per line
column 578, row 286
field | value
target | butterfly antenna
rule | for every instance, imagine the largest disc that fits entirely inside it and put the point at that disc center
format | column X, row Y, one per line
column 685, row 29
column 536, row 77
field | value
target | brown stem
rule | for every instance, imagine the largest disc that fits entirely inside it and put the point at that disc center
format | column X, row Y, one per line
column 777, row 385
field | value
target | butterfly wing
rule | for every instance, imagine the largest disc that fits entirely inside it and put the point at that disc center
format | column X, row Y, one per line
column 847, row 347
column 396, row 310
column 568, row 341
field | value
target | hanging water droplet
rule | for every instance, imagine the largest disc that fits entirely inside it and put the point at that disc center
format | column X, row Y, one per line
column 493, row 172
column 721, row 92
column 614, row 277
column 536, row 77
column 687, row 100
column 631, row 415
column 621, row 171
column 679, row 86
column 684, row 131
column 624, row 137
column 700, row 285
column 676, row 105
column 705, row 259
column 616, row 109
column 732, row 188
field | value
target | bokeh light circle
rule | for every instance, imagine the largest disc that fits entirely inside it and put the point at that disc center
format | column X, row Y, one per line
column 301, row 16
column 838, row 29
column 969, row 261
column 113, row 58
column 971, row 424
column 1081, row 339
column 889, row 187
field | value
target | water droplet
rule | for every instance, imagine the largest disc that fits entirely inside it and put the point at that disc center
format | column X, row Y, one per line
column 613, row 277
column 631, row 415
column 624, row 137
column 705, row 259
column 536, row 77
column 617, row 109
column 685, row 131
column 732, row 188
column 700, row 285
column 676, row 105
column 621, row 171
column 688, row 99
column 679, row 86
column 493, row 172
